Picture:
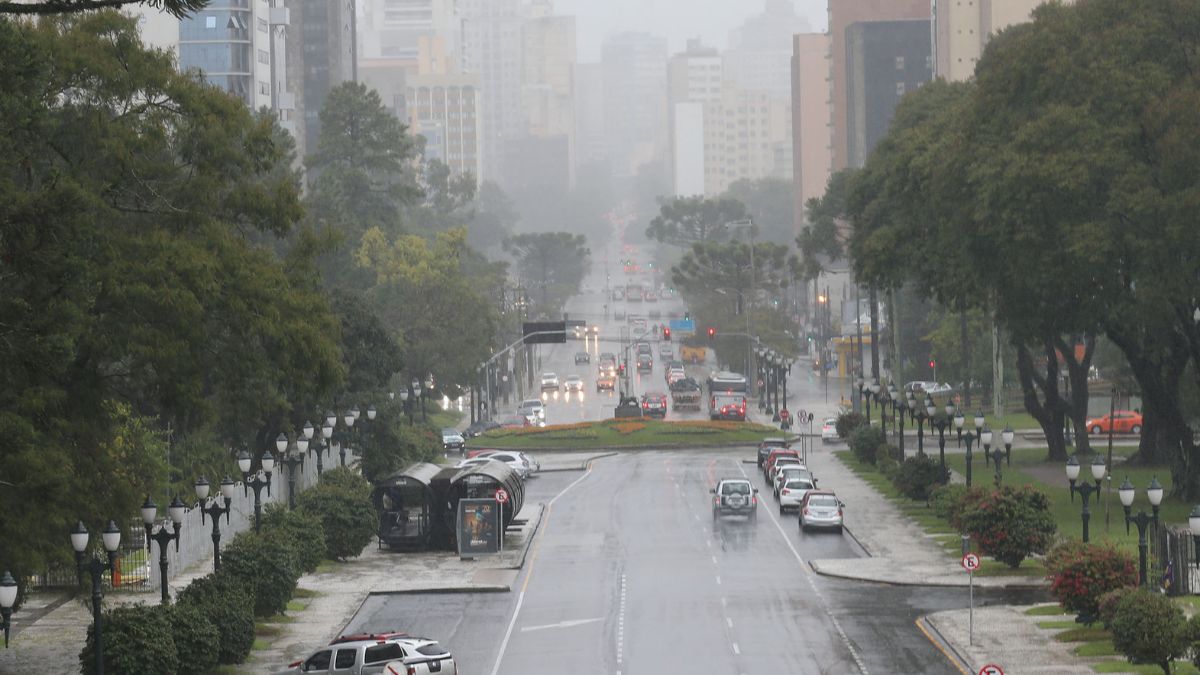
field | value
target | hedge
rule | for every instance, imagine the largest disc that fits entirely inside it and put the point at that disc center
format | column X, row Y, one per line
column 343, row 503
column 227, row 602
column 299, row 530
column 137, row 639
column 269, row 569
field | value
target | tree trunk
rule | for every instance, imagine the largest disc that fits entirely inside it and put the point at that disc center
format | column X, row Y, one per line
column 894, row 331
column 1048, row 409
column 875, row 335
column 966, row 357
column 1076, row 403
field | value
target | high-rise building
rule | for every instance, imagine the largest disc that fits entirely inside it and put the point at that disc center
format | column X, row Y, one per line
column 810, row 120
column 962, row 30
column 635, row 100
column 444, row 108
column 746, row 135
column 320, row 56
column 842, row 13
column 693, row 79
column 589, row 114
column 394, row 29
column 491, row 49
column 548, row 86
column 884, row 61
column 760, row 50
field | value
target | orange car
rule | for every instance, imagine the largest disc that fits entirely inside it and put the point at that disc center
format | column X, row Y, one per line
column 1121, row 421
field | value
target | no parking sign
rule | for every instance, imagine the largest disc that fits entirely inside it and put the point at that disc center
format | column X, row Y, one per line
column 991, row 669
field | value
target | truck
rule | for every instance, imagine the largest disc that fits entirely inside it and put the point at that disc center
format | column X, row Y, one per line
column 685, row 394
column 693, row 354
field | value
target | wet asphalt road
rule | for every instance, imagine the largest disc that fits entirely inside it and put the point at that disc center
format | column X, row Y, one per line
column 630, row 574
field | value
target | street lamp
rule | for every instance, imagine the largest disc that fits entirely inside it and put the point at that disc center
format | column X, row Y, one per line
column 924, row 411
column 8, row 598
column 903, row 409
column 1007, row 435
column 257, row 481
column 969, row 438
column 371, row 413
column 416, row 389
column 994, row 455
column 979, row 421
column 407, row 407
column 323, row 445
column 942, row 423
column 293, row 461
column 873, row 387
column 959, row 421
column 162, row 536
column 1086, row 489
column 1194, row 526
column 428, row 388
column 96, row 567
column 1154, row 493
column 860, row 384
column 214, row 510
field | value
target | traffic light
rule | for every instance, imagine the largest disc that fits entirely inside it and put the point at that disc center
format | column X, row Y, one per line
column 712, row 332
column 932, row 363
column 667, row 334
column 687, row 316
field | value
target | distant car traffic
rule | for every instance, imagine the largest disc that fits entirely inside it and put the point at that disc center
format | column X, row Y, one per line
column 735, row 496
column 533, row 406
column 573, row 383
column 480, row 427
column 582, row 357
column 665, row 352
column 829, row 430
column 453, row 440
column 606, row 383
column 523, row 465
column 821, row 509
column 645, row 363
column 549, row 381
column 791, row 472
column 1121, row 422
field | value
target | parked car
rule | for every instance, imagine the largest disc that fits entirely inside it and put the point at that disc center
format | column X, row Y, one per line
column 792, row 493
column 790, row 472
column 654, row 404
column 735, row 496
column 582, row 357
column 549, row 382
column 766, row 445
column 520, row 463
column 821, row 509
column 453, row 440
column 517, row 420
column 773, row 455
column 482, row 426
column 781, row 462
column 1121, row 422
column 829, row 430
column 368, row 654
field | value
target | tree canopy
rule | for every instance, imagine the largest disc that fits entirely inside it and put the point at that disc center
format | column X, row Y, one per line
column 683, row 221
column 551, row 265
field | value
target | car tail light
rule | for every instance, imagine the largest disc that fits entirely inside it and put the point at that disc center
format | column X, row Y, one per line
column 295, row 664
column 716, row 501
column 785, row 491
column 753, row 500
column 804, row 510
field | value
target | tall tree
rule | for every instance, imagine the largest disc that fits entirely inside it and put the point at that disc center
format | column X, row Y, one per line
column 551, row 264
column 769, row 203
column 683, row 221
column 176, row 8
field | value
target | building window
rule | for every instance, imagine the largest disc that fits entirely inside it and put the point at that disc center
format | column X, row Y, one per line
column 210, row 22
column 264, row 56
column 900, row 88
column 264, row 88
column 899, row 63
column 262, row 25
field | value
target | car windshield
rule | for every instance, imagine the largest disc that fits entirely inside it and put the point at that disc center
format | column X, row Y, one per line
column 799, row 485
column 822, row 500
column 736, row 488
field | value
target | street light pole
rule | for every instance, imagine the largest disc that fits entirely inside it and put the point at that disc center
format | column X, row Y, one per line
column 293, row 461
column 214, row 510
column 96, row 567
column 8, row 598
column 1087, row 489
column 162, row 536
column 969, row 438
column 257, row 481
column 1155, row 494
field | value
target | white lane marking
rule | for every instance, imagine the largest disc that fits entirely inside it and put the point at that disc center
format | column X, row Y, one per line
column 729, row 622
column 561, row 624
column 808, row 576
column 621, row 625
column 736, row 650
column 714, row 560
column 718, row 580
column 521, row 598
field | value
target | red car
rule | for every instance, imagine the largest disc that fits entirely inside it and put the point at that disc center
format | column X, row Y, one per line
column 654, row 404
column 1121, row 421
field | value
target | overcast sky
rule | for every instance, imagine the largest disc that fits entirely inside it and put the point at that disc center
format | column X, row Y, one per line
column 677, row 20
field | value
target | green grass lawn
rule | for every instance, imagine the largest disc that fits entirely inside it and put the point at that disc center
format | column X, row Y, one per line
column 1029, row 466
column 628, row 433
column 444, row 419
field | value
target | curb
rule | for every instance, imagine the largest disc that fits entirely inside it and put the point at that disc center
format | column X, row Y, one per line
column 943, row 645
column 627, row 448
column 857, row 540
column 448, row 590
column 581, row 467
column 918, row 583
column 528, row 541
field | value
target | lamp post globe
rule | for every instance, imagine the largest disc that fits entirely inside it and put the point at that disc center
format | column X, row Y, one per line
column 1194, row 526
column 95, row 567
column 8, row 598
column 1007, row 435
column 371, row 412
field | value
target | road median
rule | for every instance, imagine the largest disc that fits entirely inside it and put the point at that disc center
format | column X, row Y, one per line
column 627, row 434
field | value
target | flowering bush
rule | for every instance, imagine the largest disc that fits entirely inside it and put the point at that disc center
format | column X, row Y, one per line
column 1106, row 608
column 1011, row 523
column 628, row 427
column 1081, row 573
column 1150, row 628
column 848, row 422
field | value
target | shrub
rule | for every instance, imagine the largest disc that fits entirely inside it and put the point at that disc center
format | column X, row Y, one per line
column 1149, row 628
column 264, row 566
column 299, row 530
column 197, row 642
column 1010, row 523
column 1080, row 573
column 885, row 462
column 346, row 514
column 345, row 478
column 943, row 500
column 865, row 443
column 1106, row 607
column 225, row 601
column 917, row 477
column 848, row 422
column 137, row 639
column 1194, row 636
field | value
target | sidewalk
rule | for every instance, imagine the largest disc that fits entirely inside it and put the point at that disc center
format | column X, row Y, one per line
column 52, row 627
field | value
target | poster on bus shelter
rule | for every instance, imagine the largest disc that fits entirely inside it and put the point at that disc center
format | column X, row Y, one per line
column 478, row 527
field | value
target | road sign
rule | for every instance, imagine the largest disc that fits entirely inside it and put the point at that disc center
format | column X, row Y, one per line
column 991, row 669
column 544, row 332
column 970, row 562
column 501, row 495
column 683, row 327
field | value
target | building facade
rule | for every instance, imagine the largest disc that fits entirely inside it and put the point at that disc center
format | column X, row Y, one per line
column 746, row 133
column 843, row 13
column 635, row 100
column 760, row 50
column 320, row 56
column 492, row 47
column 444, row 109
column 393, row 29
column 962, row 30
column 811, row 141
column 694, row 78
column 884, row 61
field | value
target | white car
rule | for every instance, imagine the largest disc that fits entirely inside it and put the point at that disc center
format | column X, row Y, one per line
column 821, row 509
column 780, row 463
column 517, row 461
column 793, row 493
column 378, row 653
column 790, row 472
column 534, row 407
column 573, row 383
column 549, row 381
column 829, row 430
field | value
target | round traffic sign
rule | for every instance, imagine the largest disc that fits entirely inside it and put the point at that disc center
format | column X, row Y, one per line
column 501, row 495
column 970, row 562
column 991, row 669
column 803, row 415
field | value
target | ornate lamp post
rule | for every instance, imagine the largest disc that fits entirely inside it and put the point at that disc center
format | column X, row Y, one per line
column 324, row 444
column 162, row 536
column 1086, row 489
column 1007, row 436
column 927, row 413
column 8, row 598
column 903, row 408
column 416, row 392
column 942, row 423
column 873, row 389
column 214, row 509
column 979, row 422
column 407, row 407
column 257, row 481
column 993, row 455
column 293, row 461
column 1154, row 493
column 760, row 362
column 349, row 418
column 969, row 438
column 428, row 388
column 96, row 567
column 959, row 421
column 860, row 386
column 1194, row 526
